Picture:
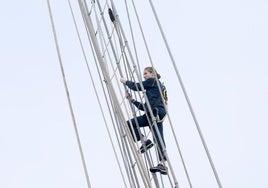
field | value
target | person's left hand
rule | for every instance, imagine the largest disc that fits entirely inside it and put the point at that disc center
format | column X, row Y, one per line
column 128, row 95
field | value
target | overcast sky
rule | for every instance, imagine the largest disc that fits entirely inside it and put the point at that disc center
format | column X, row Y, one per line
column 220, row 48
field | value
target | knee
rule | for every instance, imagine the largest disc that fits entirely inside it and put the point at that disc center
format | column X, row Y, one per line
column 162, row 113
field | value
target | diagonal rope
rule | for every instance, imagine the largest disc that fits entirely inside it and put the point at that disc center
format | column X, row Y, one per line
column 68, row 96
column 186, row 96
column 96, row 93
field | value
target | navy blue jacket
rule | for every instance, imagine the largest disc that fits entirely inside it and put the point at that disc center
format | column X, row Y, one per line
column 152, row 92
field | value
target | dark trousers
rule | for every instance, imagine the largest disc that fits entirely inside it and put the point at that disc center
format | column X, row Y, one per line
column 143, row 122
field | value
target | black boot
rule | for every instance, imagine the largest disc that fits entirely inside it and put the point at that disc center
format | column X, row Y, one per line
column 147, row 145
column 159, row 168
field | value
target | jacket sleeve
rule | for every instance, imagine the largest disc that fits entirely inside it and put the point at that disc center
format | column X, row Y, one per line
column 139, row 105
column 137, row 86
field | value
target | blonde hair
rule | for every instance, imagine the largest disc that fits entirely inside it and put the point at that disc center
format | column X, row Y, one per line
column 152, row 70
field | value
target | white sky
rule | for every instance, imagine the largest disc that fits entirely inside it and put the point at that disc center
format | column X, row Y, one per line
column 221, row 50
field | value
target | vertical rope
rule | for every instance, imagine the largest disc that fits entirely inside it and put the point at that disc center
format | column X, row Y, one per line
column 68, row 97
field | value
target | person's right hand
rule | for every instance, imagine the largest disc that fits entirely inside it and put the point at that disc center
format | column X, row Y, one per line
column 123, row 80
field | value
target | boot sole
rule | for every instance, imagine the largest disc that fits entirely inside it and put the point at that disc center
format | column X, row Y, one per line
column 147, row 147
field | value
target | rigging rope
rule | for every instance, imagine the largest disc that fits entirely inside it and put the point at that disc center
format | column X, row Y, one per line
column 186, row 96
column 68, row 96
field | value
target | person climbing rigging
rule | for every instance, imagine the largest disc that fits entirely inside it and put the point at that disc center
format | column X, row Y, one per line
column 157, row 105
